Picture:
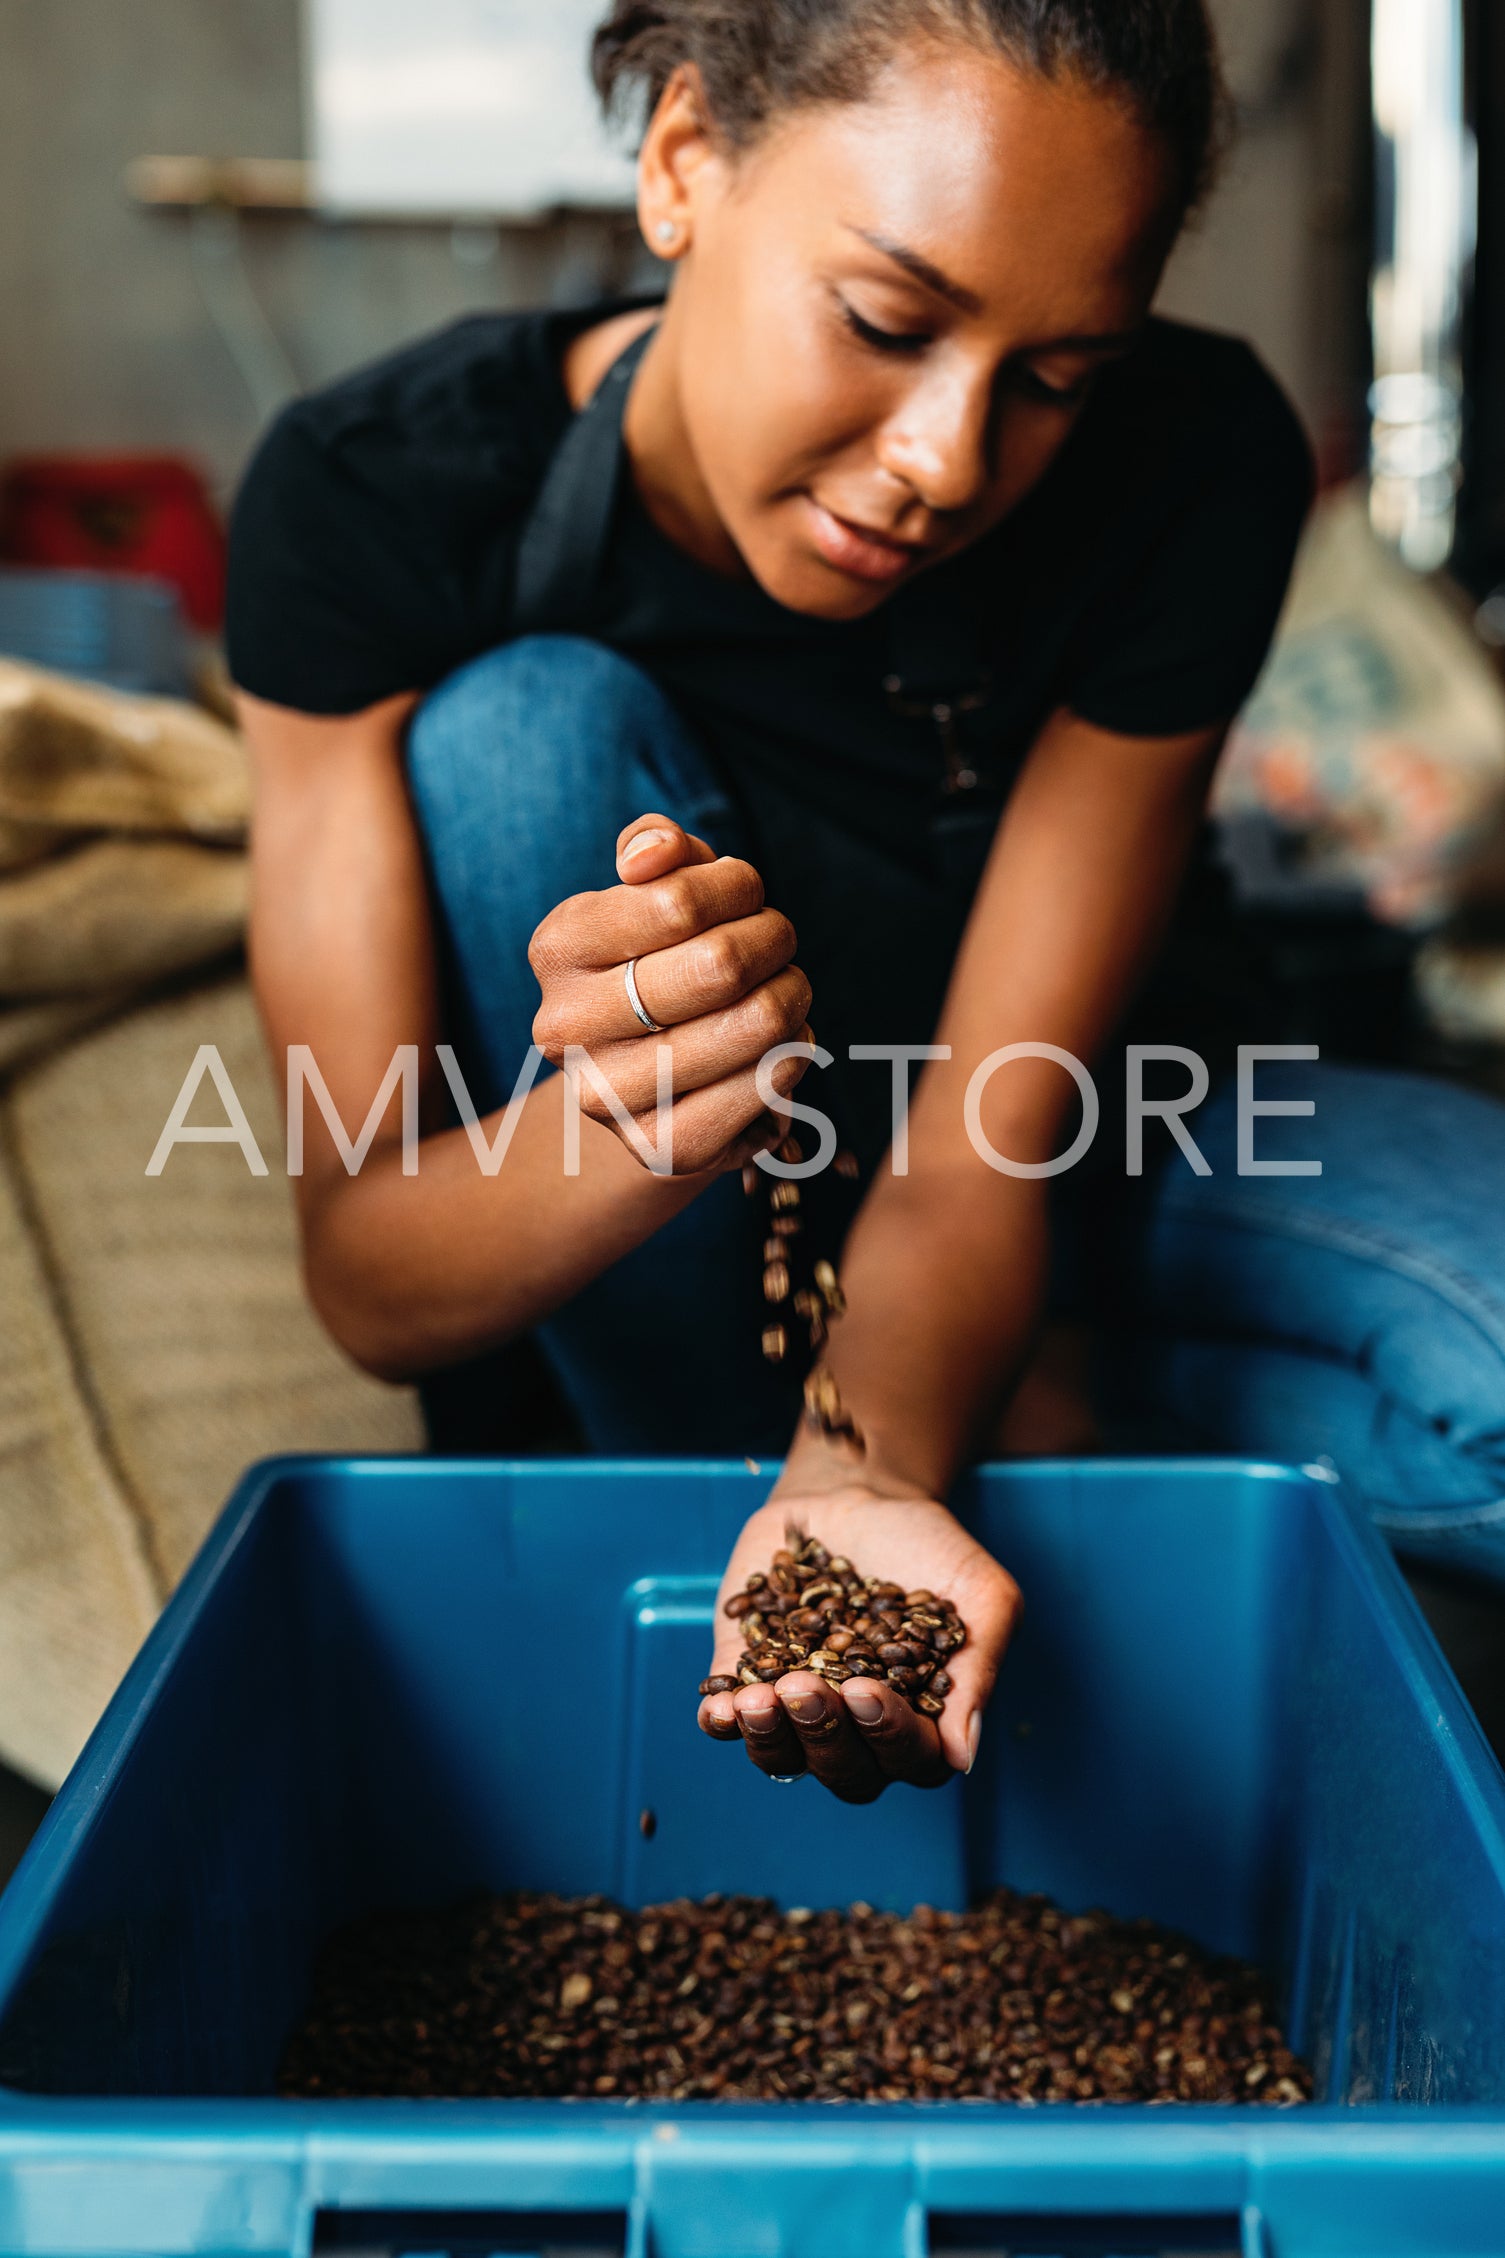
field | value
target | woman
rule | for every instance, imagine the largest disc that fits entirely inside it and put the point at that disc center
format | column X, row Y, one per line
column 891, row 586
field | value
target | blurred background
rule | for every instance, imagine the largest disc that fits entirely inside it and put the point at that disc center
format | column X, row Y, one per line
column 212, row 205
column 133, row 329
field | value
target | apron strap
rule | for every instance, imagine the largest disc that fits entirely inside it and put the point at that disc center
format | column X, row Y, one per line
column 565, row 540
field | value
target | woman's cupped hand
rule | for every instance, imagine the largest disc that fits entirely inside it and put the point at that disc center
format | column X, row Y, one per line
column 860, row 1737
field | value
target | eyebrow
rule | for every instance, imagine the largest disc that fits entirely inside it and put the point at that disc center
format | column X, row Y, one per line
column 931, row 277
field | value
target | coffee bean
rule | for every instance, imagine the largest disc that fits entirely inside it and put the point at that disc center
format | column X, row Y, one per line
column 928, row 1704
column 826, row 1279
column 774, row 1250
column 825, row 1411
column 530, row 1996
column 719, row 1685
column 784, row 1197
column 786, row 1226
column 941, row 1684
column 738, row 1605
column 894, row 1650
column 775, row 1344
column 776, row 1282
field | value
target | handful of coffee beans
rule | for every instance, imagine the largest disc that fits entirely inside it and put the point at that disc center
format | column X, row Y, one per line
column 812, row 1610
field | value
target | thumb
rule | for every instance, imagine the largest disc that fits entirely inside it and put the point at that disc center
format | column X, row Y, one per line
column 653, row 846
column 990, row 1606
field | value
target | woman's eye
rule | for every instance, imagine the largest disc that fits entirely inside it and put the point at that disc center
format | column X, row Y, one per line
column 1052, row 395
column 883, row 340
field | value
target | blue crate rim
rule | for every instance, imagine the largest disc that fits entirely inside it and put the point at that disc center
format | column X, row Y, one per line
column 189, row 2123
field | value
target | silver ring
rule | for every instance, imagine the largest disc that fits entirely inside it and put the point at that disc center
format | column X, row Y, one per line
column 640, row 1009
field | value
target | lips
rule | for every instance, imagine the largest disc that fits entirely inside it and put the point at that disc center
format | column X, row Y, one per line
column 861, row 551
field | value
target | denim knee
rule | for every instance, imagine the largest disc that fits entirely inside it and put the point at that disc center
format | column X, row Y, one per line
column 551, row 731
column 1384, row 1276
column 523, row 767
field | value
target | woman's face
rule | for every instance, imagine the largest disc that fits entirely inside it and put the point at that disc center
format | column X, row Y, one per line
column 888, row 316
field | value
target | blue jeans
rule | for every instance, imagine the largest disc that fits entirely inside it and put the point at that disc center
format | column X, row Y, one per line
column 1357, row 1317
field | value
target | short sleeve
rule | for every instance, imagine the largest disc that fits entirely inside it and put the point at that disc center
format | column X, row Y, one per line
column 1176, row 634
column 330, row 605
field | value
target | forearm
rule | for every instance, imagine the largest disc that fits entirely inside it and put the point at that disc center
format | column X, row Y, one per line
column 945, row 1271
column 413, row 1273
column 944, row 1281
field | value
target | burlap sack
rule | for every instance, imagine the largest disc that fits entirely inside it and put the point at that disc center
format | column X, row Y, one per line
column 76, row 758
column 117, row 914
column 121, row 864
column 182, row 1348
column 77, row 1587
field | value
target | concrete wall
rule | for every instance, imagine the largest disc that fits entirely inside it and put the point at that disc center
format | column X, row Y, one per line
column 106, row 339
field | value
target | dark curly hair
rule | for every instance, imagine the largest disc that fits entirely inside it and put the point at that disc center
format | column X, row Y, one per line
column 758, row 58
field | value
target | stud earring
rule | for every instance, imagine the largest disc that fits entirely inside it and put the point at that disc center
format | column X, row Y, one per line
column 667, row 233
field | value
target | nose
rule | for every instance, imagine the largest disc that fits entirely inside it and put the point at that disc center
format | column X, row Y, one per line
column 939, row 442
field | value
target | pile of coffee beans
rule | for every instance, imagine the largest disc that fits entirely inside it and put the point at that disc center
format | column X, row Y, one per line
column 733, row 2000
column 813, row 1611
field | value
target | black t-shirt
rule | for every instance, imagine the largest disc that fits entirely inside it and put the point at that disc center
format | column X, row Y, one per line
column 375, row 548
column 375, row 540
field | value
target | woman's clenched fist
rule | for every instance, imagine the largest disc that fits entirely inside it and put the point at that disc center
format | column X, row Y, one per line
column 714, row 969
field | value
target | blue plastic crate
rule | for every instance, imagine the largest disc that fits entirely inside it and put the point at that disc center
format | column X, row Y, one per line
column 1223, row 1710
column 122, row 629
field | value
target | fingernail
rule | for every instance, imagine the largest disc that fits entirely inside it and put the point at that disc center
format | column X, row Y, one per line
column 864, row 1706
column 974, row 1735
column 806, row 1709
column 643, row 840
column 759, row 1722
